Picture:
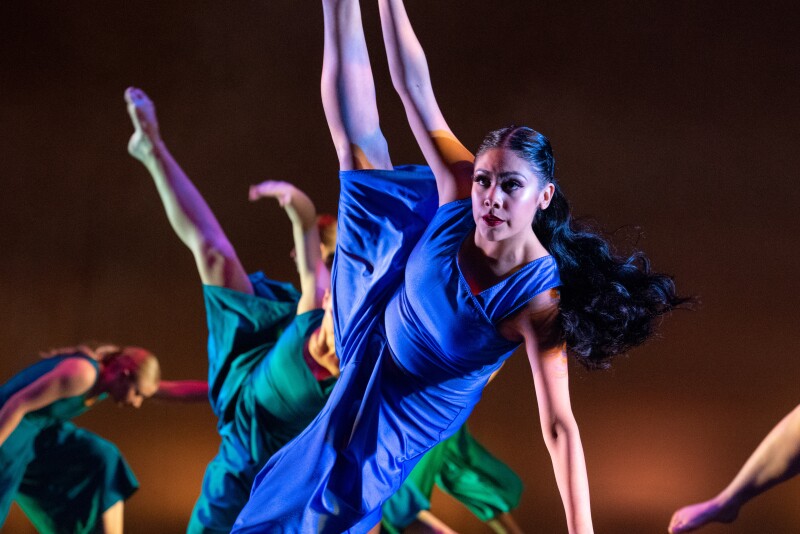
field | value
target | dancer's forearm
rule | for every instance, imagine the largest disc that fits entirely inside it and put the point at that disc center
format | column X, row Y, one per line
column 559, row 429
column 776, row 459
column 407, row 63
column 303, row 215
column 564, row 443
column 450, row 160
column 182, row 390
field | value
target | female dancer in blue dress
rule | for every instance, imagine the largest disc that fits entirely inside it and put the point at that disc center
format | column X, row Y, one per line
column 438, row 277
column 67, row 479
column 270, row 349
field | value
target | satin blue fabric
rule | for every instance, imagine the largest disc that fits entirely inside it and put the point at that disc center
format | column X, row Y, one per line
column 416, row 349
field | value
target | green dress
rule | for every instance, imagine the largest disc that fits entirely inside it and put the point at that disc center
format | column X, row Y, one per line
column 463, row 468
column 260, row 388
column 63, row 477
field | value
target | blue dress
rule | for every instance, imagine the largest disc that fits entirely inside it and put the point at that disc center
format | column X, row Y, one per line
column 260, row 387
column 416, row 349
column 63, row 477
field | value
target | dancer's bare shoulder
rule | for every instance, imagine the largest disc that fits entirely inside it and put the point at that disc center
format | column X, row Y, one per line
column 540, row 317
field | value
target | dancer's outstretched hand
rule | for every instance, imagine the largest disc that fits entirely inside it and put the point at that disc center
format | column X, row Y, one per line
column 692, row 517
column 296, row 203
column 283, row 192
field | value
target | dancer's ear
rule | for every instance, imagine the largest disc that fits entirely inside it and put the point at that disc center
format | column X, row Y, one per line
column 546, row 195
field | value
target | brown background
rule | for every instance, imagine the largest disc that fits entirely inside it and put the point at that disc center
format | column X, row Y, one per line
column 680, row 117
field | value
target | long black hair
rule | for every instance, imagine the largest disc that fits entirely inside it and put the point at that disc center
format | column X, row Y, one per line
column 609, row 303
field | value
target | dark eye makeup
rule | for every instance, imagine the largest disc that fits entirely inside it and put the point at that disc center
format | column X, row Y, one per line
column 481, row 179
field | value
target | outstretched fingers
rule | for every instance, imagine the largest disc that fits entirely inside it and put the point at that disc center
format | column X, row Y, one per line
column 281, row 191
column 692, row 517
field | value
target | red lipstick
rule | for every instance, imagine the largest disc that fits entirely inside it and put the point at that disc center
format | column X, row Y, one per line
column 492, row 221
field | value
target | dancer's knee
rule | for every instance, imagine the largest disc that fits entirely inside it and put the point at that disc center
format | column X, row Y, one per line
column 218, row 264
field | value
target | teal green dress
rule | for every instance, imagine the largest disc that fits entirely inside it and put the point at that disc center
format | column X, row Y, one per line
column 463, row 468
column 260, row 388
column 63, row 477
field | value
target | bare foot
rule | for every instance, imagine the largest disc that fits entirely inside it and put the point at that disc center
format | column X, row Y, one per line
column 143, row 115
column 694, row 516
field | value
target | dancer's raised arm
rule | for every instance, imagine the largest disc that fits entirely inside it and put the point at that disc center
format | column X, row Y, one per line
column 303, row 215
column 450, row 161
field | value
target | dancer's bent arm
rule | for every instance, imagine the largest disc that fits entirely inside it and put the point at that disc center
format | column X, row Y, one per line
column 450, row 161
column 72, row 377
column 303, row 215
column 537, row 326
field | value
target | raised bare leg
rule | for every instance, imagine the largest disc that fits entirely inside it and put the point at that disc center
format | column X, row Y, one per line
column 187, row 211
column 348, row 90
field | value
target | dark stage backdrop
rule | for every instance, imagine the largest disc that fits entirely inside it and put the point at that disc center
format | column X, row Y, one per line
column 678, row 117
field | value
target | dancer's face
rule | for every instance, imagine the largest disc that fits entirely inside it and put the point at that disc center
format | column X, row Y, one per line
column 506, row 193
column 128, row 389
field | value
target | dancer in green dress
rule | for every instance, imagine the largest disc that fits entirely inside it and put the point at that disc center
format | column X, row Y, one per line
column 270, row 350
column 464, row 469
